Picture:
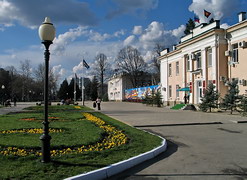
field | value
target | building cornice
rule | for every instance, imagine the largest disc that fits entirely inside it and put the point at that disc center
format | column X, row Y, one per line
column 192, row 41
column 237, row 26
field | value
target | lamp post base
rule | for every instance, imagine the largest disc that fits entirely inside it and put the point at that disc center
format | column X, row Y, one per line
column 46, row 155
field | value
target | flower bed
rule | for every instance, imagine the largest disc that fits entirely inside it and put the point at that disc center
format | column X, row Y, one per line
column 113, row 138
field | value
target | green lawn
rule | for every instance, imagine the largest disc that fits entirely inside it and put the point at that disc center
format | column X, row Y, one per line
column 178, row 106
column 74, row 132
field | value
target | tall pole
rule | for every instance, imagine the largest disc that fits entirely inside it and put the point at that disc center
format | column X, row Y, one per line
column 82, row 87
column 75, row 89
column 45, row 137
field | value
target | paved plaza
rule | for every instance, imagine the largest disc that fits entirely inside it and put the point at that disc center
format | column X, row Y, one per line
column 207, row 146
column 200, row 145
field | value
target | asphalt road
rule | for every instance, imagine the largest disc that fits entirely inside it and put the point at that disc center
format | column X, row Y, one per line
column 207, row 146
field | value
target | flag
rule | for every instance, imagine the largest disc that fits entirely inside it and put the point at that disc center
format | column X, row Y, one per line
column 85, row 64
column 196, row 19
column 206, row 13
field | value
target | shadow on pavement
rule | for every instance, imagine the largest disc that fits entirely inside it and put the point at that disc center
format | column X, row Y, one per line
column 171, row 149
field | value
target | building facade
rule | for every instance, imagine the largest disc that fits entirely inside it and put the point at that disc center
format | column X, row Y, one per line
column 116, row 86
column 209, row 54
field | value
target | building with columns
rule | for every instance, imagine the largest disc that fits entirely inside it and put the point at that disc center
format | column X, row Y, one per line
column 209, row 54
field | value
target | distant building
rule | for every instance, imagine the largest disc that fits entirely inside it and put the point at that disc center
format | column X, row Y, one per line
column 209, row 54
column 118, row 83
column 116, row 86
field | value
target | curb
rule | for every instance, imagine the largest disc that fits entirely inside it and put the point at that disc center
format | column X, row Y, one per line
column 236, row 121
column 121, row 166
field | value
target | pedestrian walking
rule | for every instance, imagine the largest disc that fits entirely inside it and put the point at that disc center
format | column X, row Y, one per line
column 98, row 101
column 14, row 99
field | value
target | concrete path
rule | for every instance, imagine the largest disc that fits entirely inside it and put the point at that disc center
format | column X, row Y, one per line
column 200, row 145
column 19, row 106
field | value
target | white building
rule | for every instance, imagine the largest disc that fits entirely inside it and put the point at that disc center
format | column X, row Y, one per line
column 116, row 86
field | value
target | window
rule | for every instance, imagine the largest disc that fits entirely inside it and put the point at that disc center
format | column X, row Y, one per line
column 209, row 57
column 170, row 92
column 235, row 53
column 199, row 60
column 177, row 68
column 170, row 70
column 187, row 59
column 177, row 92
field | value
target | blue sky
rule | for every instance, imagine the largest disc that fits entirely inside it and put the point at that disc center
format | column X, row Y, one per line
column 85, row 28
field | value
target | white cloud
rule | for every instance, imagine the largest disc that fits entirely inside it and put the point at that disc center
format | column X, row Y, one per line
column 132, row 6
column 95, row 36
column 137, row 30
column 119, row 33
column 59, row 70
column 31, row 13
column 224, row 26
column 130, row 40
column 179, row 32
column 63, row 40
column 218, row 8
column 153, row 33
column 7, row 11
column 156, row 34
column 78, row 68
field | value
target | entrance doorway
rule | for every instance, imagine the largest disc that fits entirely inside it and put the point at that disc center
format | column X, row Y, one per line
column 199, row 91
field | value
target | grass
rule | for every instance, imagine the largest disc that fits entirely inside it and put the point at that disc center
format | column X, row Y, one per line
column 178, row 106
column 76, row 131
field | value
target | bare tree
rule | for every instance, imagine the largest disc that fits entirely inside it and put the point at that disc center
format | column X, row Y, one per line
column 100, row 69
column 131, row 62
column 13, row 76
column 156, row 53
column 39, row 74
column 25, row 71
column 155, row 62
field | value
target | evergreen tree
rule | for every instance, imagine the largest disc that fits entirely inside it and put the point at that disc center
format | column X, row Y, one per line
column 231, row 98
column 158, row 99
column 210, row 99
column 71, row 89
column 243, row 105
column 211, row 20
column 189, row 26
column 63, row 90
column 94, row 88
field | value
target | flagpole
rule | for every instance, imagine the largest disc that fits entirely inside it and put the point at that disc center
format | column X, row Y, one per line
column 75, row 89
column 82, row 86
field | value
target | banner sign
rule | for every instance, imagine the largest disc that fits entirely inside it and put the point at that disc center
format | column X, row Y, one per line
column 141, row 92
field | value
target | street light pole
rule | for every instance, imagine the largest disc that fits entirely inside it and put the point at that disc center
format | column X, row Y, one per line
column 47, row 34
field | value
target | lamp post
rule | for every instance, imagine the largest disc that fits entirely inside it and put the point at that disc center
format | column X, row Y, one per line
column 47, row 35
column 3, row 87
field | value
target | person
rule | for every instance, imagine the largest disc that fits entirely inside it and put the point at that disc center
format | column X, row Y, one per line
column 14, row 99
column 62, row 101
column 185, row 99
column 98, row 101
column 7, row 103
column 188, row 98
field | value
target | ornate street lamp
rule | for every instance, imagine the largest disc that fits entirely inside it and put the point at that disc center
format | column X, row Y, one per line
column 47, row 35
